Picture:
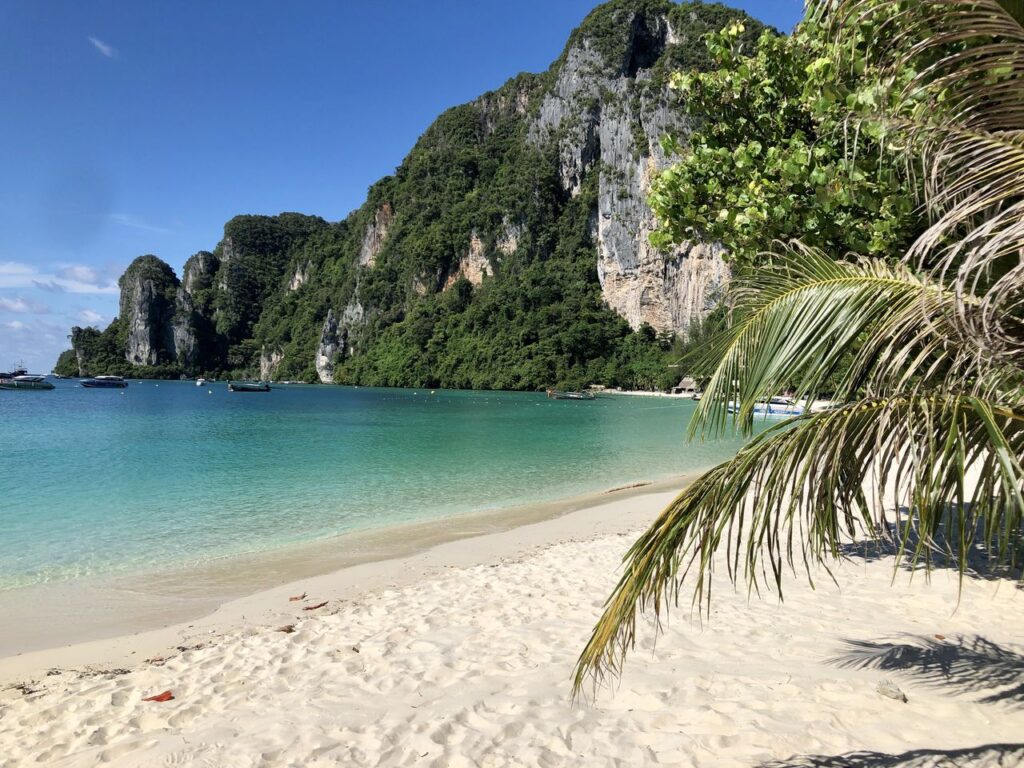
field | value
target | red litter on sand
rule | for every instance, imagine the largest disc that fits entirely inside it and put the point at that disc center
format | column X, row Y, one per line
column 165, row 696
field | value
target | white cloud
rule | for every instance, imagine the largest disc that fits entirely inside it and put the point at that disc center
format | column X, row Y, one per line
column 18, row 304
column 79, row 274
column 66, row 279
column 14, row 268
column 127, row 220
column 90, row 316
column 37, row 343
column 107, row 50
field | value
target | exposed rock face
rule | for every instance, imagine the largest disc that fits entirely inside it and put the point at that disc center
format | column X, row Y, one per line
column 199, row 271
column 609, row 120
column 575, row 103
column 334, row 338
column 667, row 292
column 373, row 240
column 147, row 307
column 158, row 314
column 327, row 349
column 269, row 360
column 183, row 333
column 227, row 254
column 508, row 239
column 300, row 277
column 473, row 266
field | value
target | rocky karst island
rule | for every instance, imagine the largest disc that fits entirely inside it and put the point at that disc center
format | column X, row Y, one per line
column 510, row 249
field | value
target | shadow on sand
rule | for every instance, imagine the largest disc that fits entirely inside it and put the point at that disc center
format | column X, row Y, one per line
column 982, row 756
column 981, row 562
column 962, row 665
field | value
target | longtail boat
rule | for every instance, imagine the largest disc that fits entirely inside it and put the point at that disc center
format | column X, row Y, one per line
column 248, row 386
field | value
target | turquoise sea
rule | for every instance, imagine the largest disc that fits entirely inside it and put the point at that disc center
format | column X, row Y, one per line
column 167, row 474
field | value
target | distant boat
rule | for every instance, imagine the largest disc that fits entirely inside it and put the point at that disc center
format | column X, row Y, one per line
column 105, row 382
column 200, row 382
column 248, row 386
column 21, row 380
column 775, row 408
column 558, row 394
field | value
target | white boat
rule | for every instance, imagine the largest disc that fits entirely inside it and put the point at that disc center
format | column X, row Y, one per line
column 775, row 408
column 200, row 382
column 20, row 380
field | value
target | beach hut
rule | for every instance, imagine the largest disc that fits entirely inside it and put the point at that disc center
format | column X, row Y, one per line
column 686, row 386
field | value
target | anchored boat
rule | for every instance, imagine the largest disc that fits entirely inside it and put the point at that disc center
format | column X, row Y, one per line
column 105, row 382
column 775, row 408
column 558, row 394
column 20, row 379
column 248, row 386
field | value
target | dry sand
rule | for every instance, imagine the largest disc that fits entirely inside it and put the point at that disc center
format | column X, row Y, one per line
column 461, row 656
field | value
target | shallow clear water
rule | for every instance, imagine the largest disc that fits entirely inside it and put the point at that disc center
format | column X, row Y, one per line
column 166, row 474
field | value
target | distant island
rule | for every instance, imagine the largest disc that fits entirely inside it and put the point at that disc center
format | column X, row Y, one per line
column 508, row 251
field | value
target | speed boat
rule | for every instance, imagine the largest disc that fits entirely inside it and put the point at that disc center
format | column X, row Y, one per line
column 21, row 380
column 773, row 408
column 105, row 382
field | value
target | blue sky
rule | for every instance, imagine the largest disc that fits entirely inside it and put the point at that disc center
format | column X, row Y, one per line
column 141, row 127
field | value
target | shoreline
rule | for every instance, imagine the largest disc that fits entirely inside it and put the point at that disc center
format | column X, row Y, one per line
column 462, row 655
column 116, row 620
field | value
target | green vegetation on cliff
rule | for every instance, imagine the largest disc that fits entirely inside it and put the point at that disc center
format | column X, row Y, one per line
column 776, row 155
column 474, row 265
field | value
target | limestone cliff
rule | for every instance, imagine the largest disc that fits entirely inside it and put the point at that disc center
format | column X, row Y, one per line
column 377, row 230
column 608, row 118
column 334, row 338
column 157, row 315
column 535, row 193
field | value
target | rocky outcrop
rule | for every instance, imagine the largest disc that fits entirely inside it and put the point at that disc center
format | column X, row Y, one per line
column 227, row 255
column 300, row 277
column 328, row 348
column 571, row 115
column 508, row 238
column 611, row 119
column 147, row 307
column 334, row 338
column 269, row 360
column 199, row 272
column 473, row 265
column 158, row 316
column 185, row 345
column 373, row 240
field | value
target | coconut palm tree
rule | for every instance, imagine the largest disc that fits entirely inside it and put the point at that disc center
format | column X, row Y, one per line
column 926, row 355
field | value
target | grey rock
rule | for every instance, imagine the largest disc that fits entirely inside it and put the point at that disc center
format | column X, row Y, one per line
column 334, row 338
column 610, row 120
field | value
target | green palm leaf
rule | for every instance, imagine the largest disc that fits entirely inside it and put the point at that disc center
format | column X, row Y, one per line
column 961, row 115
column 798, row 318
column 934, row 472
column 929, row 449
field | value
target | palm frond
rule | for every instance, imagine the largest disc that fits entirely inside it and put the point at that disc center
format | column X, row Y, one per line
column 962, row 115
column 799, row 317
column 929, row 470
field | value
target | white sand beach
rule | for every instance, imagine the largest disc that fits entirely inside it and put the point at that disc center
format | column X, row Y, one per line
column 461, row 655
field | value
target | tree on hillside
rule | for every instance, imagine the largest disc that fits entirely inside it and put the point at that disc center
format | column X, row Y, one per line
column 926, row 353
